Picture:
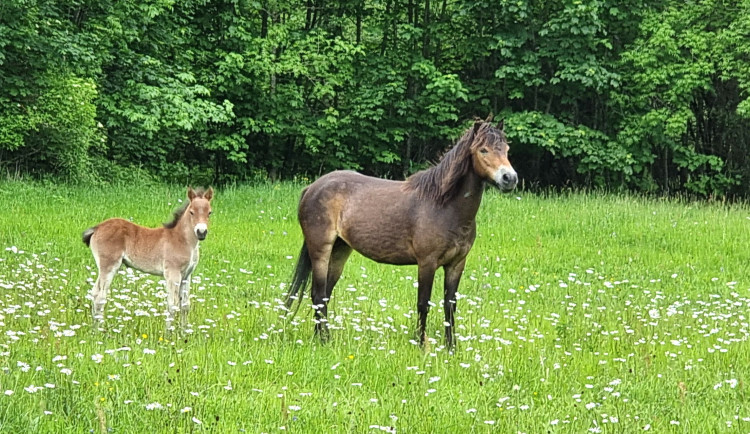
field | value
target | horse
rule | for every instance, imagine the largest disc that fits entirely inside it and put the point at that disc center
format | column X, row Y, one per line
column 428, row 220
column 170, row 251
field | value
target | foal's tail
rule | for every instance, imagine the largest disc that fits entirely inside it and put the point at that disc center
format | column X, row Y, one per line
column 87, row 234
column 300, row 279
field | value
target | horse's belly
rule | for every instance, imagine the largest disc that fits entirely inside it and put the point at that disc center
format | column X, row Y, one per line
column 381, row 243
column 394, row 253
column 392, row 259
column 147, row 266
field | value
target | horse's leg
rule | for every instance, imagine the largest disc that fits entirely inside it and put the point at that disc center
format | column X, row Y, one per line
column 452, row 279
column 339, row 256
column 107, row 266
column 173, row 278
column 184, row 301
column 426, row 276
column 320, row 257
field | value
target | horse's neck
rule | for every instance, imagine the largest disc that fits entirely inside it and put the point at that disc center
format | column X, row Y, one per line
column 185, row 231
column 469, row 195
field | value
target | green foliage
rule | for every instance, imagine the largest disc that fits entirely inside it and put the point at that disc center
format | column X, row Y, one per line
column 681, row 96
column 47, row 112
column 649, row 95
column 56, row 132
column 591, row 152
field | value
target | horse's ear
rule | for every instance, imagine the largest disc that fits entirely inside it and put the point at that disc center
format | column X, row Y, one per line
column 191, row 193
column 208, row 195
column 501, row 124
column 489, row 117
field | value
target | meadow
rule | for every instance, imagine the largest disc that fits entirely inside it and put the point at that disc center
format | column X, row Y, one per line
column 577, row 312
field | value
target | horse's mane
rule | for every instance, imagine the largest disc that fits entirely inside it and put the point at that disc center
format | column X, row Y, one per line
column 179, row 212
column 440, row 182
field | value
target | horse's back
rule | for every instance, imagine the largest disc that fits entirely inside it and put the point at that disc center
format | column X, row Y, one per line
column 372, row 215
column 349, row 181
column 341, row 189
column 120, row 234
column 137, row 246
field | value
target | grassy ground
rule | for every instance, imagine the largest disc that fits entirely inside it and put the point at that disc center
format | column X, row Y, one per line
column 577, row 313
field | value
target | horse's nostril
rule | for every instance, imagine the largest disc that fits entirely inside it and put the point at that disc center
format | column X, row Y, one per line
column 508, row 180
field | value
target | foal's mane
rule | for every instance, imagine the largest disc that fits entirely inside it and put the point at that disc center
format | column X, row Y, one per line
column 179, row 212
column 440, row 182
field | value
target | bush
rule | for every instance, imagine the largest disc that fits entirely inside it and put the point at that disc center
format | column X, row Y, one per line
column 54, row 132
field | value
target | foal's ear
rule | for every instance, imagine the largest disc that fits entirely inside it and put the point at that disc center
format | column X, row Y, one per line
column 489, row 117
column 501, row 124
column 191, row 193
column 208, row 195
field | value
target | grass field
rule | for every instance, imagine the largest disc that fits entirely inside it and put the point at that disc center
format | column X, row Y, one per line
column 577, row 313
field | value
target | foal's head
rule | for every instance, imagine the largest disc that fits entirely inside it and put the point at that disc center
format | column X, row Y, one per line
column 199, row 210
column 490, row 155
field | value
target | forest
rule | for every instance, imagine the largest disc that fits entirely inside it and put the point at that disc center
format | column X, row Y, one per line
column 646, row 96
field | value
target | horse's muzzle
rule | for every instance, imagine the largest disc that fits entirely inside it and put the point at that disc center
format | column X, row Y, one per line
column 506, row 179
column 201, row 230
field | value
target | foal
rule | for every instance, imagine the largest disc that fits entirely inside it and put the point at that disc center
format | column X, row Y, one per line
column 170, row 251
column 427, row 220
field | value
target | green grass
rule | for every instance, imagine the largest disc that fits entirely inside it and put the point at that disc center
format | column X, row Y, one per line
column 577, row 312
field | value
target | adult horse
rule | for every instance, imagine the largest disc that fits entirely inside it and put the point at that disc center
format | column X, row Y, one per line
column 170, row 251
column 427, row 220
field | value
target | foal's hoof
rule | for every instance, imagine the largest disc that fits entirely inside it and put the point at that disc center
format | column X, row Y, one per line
column 97, row 323
column 171, row 332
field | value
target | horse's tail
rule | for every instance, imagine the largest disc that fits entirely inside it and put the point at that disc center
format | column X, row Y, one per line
column 87, row 234
column 300, row 279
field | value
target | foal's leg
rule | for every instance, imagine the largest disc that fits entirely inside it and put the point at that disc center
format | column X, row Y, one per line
column 426, row 276
column 452, row 278
column 173, row 279
column 184, row 301
column 107, row 266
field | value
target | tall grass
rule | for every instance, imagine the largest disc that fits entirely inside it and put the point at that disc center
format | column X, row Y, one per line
column 577, row 313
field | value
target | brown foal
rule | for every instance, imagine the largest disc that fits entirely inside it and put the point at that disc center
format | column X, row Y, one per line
column 170, row 251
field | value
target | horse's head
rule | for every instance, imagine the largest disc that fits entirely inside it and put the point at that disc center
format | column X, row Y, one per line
column 490, row 155
column 199, row 210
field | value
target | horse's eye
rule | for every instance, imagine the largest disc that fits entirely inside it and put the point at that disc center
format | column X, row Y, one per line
column 192, row 213
column 483, row 151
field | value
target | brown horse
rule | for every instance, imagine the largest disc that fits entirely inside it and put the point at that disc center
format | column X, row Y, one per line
column 170, row 251
column 427, row 220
